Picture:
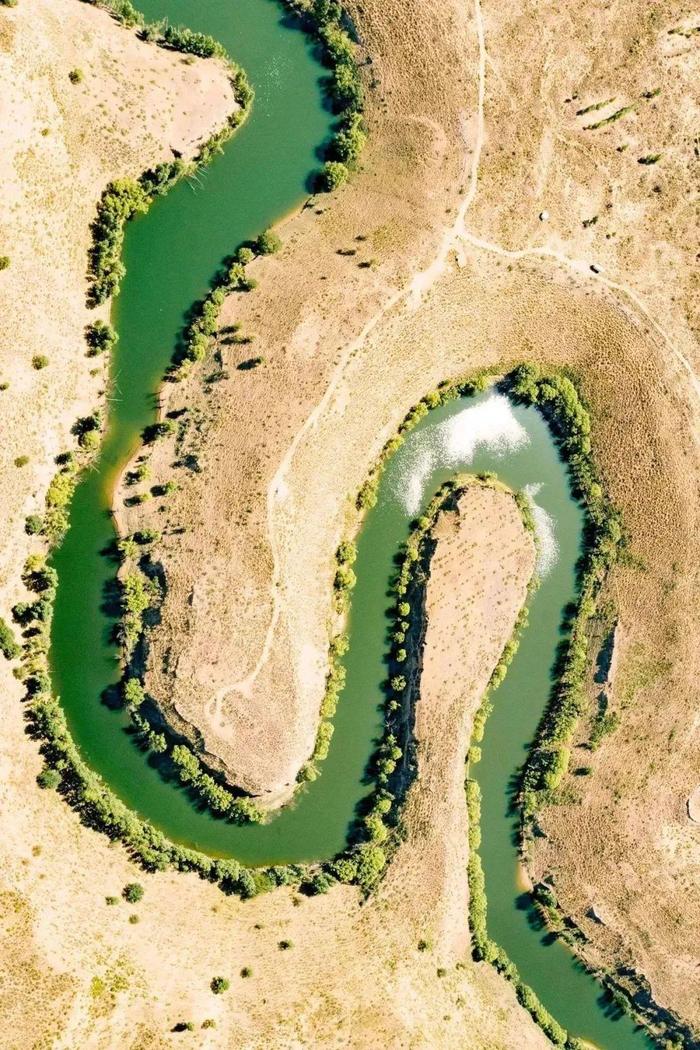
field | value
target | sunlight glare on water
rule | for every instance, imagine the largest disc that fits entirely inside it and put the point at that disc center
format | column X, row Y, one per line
column 490, row 424
column 547, row 546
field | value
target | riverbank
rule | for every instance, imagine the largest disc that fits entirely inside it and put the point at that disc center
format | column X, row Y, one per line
column 482, row 312
column 345, row 357
column 134, row 106
column 350, row 969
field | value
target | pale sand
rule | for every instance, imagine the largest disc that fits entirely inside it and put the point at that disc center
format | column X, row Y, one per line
column 61, row 145
column 76, row 973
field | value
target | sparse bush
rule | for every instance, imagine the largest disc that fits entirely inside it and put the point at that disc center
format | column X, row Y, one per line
column 21, row 461
column 219, row 985
column 268, row 243
column 133, row 892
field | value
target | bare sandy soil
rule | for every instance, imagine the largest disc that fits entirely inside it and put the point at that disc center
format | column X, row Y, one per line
column 61, row 145
column 493, row 283
column 77, row 972
column 461, row 272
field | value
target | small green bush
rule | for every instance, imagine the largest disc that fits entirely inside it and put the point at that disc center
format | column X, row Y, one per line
column 332, row 175
column 4, row 259
column 39, row 361
column 49, row 779
column 21, row 461
column 8, row 646
column 268, row 243
column 76, row 76
column 33, row 524
column 133, row 892
column 219, row 985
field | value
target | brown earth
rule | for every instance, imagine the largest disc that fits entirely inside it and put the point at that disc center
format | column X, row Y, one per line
column 249, row 630
column 77, row 972
column 449, row 207
column 61, row 145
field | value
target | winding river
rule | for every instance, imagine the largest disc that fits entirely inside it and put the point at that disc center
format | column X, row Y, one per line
column 171, row 255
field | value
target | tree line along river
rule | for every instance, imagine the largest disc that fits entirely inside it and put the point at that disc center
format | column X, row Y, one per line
column 171, row 255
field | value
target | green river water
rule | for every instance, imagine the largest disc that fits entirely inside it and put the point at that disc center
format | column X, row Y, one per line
column 171, row 255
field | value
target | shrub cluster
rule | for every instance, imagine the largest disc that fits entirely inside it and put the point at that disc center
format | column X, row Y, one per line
column 558, row 399
column 200, row 331
column 124, row 198
column 139, row 592
column 325, row 21
column 483, row 947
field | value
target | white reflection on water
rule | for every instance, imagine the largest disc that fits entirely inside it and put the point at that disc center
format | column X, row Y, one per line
column 547, row 546
column 490, row 425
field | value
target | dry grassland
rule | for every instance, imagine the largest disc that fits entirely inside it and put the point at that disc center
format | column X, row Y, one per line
column 460, row 272
column 77, row 972
column 504, row 286
column 61, row 144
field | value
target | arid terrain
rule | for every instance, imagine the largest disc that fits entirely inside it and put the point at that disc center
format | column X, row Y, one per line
column 489, row 224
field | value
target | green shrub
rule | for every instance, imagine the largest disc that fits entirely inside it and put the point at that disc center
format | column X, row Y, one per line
column 8, row 646
column 39, row 361
column 133, row 892
column 333, row 174
column 4, row 259
column 49, row 778
column 76, row 76
column 219, row 985
column 21, row 461
column 268, row 243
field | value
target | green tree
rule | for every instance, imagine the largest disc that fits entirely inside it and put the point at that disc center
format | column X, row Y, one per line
column 219, row 985
column 8, row 646
column 268, row 243
column 133, row 892
column 332, row 175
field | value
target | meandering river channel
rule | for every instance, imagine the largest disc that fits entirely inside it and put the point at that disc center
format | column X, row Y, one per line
column 171, row 255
